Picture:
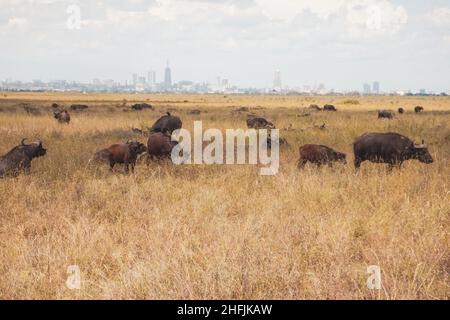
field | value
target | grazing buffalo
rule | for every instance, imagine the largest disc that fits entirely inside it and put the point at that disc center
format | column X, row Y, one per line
column 391, row 148
column 159, row 145
column 418, row 109
column 62, row 116
column 195, row 111
column 76, row 107
column 319, row 155
column 387, row 114
column 19, row 158
column 141, row 106
column 315, row 107
column 259, row 123
column 125, row 153
column 329, row 107
column 401, row 110
column 167, row 123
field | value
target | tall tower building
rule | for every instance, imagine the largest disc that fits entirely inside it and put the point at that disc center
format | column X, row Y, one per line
column 168, row 77
column 151, row 77
column 366, row 88
column 277, row 80
column 376, row 87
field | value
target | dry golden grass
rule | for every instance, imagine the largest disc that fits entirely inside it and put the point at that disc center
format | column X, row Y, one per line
column 212, row 232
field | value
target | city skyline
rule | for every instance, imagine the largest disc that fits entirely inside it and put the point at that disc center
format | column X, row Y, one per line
column 402, row 44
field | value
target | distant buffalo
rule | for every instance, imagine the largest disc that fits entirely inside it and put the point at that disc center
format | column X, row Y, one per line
column 401, row 110
column 19, row 158
column 159, row 145
column 62, row 116
column 76, row 107
column 141, row 106
column 319, row 155
column 418, row 109
column 387, row 114
column 315, row 107
column 125, row 153
column 255, row 122
column 391, row 148
column 167, row 124
column 329, row 107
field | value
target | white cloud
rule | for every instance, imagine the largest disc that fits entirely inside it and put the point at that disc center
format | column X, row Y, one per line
column 440, row 17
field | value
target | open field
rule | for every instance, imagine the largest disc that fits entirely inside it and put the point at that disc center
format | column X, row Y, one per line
column 223, row 232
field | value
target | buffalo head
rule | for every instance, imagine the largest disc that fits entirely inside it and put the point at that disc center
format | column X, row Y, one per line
column 422, row 154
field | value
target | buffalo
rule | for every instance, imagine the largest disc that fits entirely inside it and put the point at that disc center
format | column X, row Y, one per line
column 418, row 109
column 160, row 145
column 62, row 116
column 141, row 106
column 329, row 107
column 19, row 158
column 255, row 122
column 387, row 114
column 76, row 107
column 315, row 107
column 391, row 148
column 319, row 155
column 401, row 110
column 125, row 153
column 166, row 123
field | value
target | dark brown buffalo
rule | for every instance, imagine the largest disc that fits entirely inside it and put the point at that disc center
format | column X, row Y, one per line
column 141, row 106
column 401, row 110
column 160, row 145
column 166, row 123
column 391, row 148
column 319, row 155
column 387, row 114
column 76, row 107
column 125, row 153
column 19, row 158
column 418, row 109
column 62, row 116
column 329, row 107
column 255, row 122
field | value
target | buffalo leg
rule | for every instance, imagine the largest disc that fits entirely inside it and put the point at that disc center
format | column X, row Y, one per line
column 111, row 165
column 357, row 163
column 301, row 163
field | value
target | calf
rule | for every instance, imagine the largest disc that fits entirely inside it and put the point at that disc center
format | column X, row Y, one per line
column 319, row 155
column 19, row 158
column 125, row 153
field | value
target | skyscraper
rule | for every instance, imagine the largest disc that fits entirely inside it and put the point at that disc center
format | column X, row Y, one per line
column 135, row 79
column 168, row 77
column 366, row 88
column 277, row 80
column 376, row 87
column 151, row 77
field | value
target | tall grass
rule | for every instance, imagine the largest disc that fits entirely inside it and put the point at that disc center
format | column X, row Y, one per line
column 225, row 231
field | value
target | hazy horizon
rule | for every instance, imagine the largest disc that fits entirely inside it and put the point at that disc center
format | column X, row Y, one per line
column 405, row 45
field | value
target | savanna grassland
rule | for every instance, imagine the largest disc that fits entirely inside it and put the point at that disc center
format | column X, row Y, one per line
column 223, row 232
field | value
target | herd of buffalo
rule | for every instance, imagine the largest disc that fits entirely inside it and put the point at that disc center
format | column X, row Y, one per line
column 391, row 148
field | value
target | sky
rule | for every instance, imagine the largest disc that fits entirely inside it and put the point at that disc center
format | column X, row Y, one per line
column 405, row 45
